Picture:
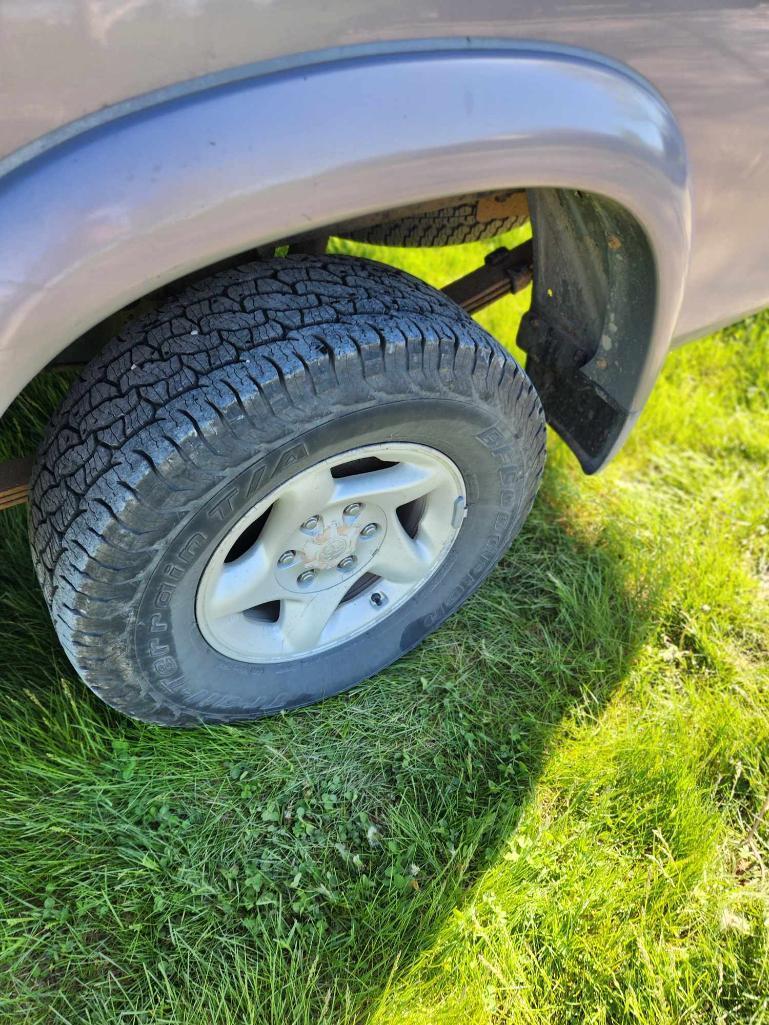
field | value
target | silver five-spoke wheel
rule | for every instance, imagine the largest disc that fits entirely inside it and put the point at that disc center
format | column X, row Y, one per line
column 330, row 552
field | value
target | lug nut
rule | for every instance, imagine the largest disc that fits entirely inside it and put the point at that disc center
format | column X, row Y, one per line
column 378, row 599
column 369, row 530
column 353, row 508
column 287, row 557
column 347, row 562
column 311, row 523
column 306, row 577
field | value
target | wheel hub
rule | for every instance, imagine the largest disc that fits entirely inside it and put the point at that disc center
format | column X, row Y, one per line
column 336, row 545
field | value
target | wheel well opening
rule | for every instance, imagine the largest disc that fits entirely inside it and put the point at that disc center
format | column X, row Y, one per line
column 588, row 329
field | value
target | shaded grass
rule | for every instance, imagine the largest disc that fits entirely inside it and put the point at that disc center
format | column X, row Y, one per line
column 550, row 812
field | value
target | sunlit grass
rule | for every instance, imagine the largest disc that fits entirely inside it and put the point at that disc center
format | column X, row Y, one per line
column 550, row 812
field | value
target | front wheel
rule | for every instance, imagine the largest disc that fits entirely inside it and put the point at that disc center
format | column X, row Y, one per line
column 277, row 484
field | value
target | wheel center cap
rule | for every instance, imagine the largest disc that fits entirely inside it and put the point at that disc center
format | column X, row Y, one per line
column 333, row 543
column 333, row 549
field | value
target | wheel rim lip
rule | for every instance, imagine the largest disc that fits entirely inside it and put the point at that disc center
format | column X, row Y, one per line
column 388, row 451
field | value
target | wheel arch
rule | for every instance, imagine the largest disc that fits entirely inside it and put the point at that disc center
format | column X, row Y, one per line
column 123, row 207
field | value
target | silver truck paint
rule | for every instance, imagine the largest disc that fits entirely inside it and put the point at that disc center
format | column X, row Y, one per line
column 140, row 140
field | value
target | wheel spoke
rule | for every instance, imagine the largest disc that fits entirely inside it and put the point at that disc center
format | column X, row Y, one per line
column 303, row 620
column 248, row 581
column 242, row 584
column 391, row 487
column 308, row 496
column 402, row 559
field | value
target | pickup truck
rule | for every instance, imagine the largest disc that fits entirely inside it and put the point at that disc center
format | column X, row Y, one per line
column 279, row 469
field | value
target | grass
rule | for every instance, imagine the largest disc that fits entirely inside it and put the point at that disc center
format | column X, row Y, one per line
column 553, row 811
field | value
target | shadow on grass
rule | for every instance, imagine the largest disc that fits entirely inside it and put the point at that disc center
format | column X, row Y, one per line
column 282, row 870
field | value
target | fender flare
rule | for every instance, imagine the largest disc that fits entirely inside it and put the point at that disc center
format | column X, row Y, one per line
column 116, row 211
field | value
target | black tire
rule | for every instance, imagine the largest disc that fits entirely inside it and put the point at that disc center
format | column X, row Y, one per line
column 463, row 219
column 200, row 408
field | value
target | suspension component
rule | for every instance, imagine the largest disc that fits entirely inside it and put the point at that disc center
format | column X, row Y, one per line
column 14, row 481
column 504, row 272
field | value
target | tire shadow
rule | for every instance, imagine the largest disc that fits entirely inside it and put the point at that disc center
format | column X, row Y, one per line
column 553, row 633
